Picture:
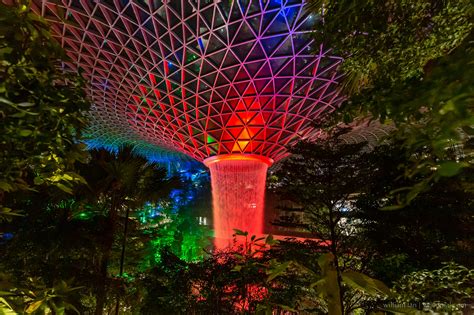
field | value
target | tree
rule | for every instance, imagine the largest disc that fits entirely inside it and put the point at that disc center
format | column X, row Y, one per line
column 121, row 182
column 409, row 62
column 451, row 284
column 387, row 42
column 43, row 109
column 434, row 228
column 325, row 178
column 54, row 300
column 78, row 237
column 49, row 245
column 174, row 229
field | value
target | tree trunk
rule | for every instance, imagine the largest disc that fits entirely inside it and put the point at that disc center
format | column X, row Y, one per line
column 122, row 257
column 334, row 251
column 101, row 290
column 109, row 241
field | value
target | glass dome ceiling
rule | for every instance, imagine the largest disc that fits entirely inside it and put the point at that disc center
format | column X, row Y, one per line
column 202, row 78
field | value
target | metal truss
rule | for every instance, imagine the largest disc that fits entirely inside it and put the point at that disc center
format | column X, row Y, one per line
column 199, row 77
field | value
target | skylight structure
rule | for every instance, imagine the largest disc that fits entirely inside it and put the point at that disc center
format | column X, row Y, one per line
column 229, row 83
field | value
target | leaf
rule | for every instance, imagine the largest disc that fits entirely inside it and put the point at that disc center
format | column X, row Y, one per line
column 34, row 306
column 64, row 188
column 6, row 214
column 365, row 283
column 306, row 269
column 278, row 271
column 240, row 233
column 5, row 186
column 6, row 293
column 392, row 207
column 324, row 262
column 25, row 132
column 3, row 301
column 38, row 180
column 72, row 307
column 448, row 107
column 4, row 310
column 450, row 168
column 25, row 104
column 19, row 115
column 4, row 100
column 318, row 284
column 270, row 240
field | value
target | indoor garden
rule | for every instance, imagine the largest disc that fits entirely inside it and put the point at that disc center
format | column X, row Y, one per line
column 274, row 157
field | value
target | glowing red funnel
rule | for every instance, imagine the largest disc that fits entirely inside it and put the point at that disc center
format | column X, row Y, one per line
column 238, row 194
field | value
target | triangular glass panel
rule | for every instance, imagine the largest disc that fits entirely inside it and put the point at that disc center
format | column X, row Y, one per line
column 232, row 92
column 277, row 64
column 242, row 51
column 245, row 34
column 253, row 67
column 214, row 44
column 217, row 57
column 255, row 23
column 286, row 49
column 242, row 75
column 267, row 18
column 241, row 87
column 260, row 84
column 265, row 71
column 270, row 44
column 222, row 90
column 230, row 59
column 278, row 25
column 280, row 83
column 231, row 72
column 291, row 14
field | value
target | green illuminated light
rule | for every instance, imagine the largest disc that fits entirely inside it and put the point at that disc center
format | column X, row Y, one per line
column 210, row 139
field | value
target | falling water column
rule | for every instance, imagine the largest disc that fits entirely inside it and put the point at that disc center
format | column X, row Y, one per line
column 238, row 194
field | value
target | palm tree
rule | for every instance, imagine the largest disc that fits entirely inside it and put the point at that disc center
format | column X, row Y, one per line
column 122, row 181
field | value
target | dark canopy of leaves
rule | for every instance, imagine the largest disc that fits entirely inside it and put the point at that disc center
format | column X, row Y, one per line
column 409, row 62
column 42, row 107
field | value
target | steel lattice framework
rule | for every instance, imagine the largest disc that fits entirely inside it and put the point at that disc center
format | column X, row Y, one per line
column 199, row 77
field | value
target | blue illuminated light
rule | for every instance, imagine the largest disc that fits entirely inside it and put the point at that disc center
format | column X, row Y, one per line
column 201, row 44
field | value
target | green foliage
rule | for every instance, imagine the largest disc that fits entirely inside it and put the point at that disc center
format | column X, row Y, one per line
column 325, row 281
column 49, row 245
column 212, row 286
column 322, row 178
column 391, row 41
column 7, row 214
column 319, row 174
column 83, row 236
column 37, row 298
column 341, row 190
column 120, row 182
column 434, row 227
column 128, row 179
column 452, row 283
column 409, row 62
column 438, row 130
column 366, row 284
column 175, row 230
column 42, row 107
